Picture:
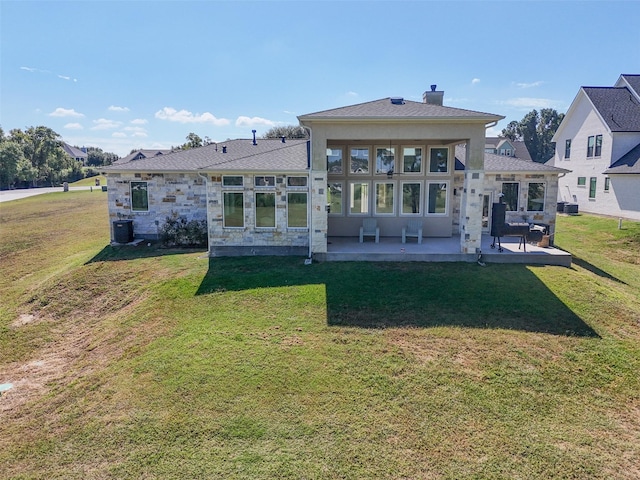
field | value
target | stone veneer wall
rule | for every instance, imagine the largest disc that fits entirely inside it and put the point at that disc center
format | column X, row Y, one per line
column 170, row 194
column 249, row 240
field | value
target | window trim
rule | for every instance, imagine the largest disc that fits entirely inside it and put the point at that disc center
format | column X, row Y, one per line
column 224, row 177
column 255, row 209
column 264, row 178
column 446, row 206
column 358, row 147
column 224, row 196
column 517, row 195
column 422, row 150
column 391, row 148
column 439, row 147
column 544, row 196
column 567, row 148
column 367, row 212
column 298, row 187
column 342, row 164
column 583, row 183
column 306, row 194
column 593, row 185
column 598, row 147
column 375, row 203
column 420, row 200
column 607, row 184
column 341, row 212
column 591, row 142
column 146, row 189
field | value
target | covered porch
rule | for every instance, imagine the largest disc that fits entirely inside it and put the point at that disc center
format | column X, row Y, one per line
column 446, row 249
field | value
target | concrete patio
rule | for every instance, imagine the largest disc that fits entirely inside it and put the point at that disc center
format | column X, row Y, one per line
column 391, row 249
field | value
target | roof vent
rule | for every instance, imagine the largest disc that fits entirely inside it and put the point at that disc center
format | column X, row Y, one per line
column 433, row 88
column 224, row 149
column 397, row 100
column 284, row 139
column 254, row 137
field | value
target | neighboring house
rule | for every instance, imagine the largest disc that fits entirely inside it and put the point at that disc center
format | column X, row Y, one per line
column 78, row 154
column 599, row 141
column 506, row 147
column 390, row 159
column 140, row 154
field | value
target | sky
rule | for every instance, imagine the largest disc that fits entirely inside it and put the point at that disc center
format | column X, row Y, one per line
column 124, row 75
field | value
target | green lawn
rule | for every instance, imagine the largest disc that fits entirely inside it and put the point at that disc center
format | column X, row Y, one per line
column 141, row 362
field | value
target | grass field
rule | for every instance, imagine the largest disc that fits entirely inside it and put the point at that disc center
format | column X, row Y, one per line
column 140, row 362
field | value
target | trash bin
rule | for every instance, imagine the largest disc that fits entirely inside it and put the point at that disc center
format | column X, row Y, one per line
column 123, row 231
column 65, row 187
column 560, row 206
column 97, row 182
column 571, row 208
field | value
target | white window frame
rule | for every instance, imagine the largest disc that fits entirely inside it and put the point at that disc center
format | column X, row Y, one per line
column 342, row 162
column 449, row 160
column 391, row 148
column 271, row 183
column 544, row 197
column 517, row 196
column 146, row 189
column 375, row 202
column 255, row 209
column 342, row 198
column 306, row 194
column 351, row 200
column 422, row 158
column 298, row 187
column 426, row 194
column 235, row 191
column 224, row 177
column 420, row 200
column 359, row 147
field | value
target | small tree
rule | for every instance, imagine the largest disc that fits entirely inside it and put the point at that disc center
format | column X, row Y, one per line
column 287, row 131
column 536, row 129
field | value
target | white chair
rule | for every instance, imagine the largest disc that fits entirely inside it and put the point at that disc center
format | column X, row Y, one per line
column 413, row 229
column 369, row 228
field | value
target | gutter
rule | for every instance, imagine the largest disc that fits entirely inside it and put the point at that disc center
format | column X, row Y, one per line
column 206, row 189
column 310, row 208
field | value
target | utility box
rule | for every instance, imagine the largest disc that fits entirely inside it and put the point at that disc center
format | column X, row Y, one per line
column 123, row 231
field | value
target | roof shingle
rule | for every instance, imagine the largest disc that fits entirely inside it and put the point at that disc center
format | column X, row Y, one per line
column 617, row 106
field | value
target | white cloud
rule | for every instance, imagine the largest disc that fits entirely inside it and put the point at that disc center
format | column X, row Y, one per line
column 474, row 81
column 253, row 122
column 493, row 132
column 119, row 135
column 136, row 131
column 33, row 70
column 528, row 102
column 64, row 77
column 529, row 85
column 185, row 116
column 104, row 124
column 73, row 126
column 65, row 112
column 352, row 94
column 113, row 108
column 139, row 121
column 140, row 134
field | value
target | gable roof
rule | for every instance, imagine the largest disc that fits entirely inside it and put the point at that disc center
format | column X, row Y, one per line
column 145, row 153
column 628, row 163
column 73, row 151
column 504, row 164
column 519, row 146
column 268, row 155
column 617, row 106
column 396, row 108
column 632, row 80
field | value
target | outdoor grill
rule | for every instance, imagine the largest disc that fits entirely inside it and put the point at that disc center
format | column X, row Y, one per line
column 501, row 228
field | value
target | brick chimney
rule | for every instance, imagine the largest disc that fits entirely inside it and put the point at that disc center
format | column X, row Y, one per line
column 433, row 97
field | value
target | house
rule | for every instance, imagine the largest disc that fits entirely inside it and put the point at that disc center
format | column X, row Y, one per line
column 140, row 154
column 390, row 159
column 599, row 141
column 507, row 147
column 78, row 154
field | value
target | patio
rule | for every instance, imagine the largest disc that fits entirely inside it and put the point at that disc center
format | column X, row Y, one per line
column 391, row 249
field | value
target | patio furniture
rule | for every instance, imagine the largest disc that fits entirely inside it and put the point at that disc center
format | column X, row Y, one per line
column 369, row 228
column 413, row 229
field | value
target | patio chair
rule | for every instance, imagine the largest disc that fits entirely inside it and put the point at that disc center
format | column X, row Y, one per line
column 413, row 229
column 369, row 228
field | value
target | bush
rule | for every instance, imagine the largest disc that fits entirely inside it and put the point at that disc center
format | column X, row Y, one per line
column 178, row 232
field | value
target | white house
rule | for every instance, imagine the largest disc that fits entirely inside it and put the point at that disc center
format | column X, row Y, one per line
column 599, row 142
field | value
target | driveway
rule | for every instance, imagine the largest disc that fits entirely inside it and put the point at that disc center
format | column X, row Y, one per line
column 8, row 195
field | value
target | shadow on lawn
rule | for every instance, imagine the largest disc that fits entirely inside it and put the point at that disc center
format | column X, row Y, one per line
column 593, row 269
column 387, row 294
column 112, row 253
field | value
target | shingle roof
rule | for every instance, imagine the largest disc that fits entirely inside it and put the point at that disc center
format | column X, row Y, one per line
column 241, row 155
column 628, row 163
column 146, row 153
column 503, row 164
column 521, row 150
column 385, row 109
column 633, row 81
column 73, row 151
column 617, row 106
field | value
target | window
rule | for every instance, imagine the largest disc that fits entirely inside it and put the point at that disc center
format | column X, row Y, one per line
column 139, row 197
column 297, row 209
column 411, row 198
column 265, row 210
column 359, row 160
column 385, row 160
column 439, row 159
column 385, row 199
column 265, row 181
column 567, row 148
column 437, row 198
column 607, row 184
column 590, row 144
column 359, row 198
column 334, row 194
column 592, row 187
column 334, row 161
column 233, row 209
column 510, row 192
column 535, row 197
column 232, row 181
column 598, row 151
column 505, row 152
column 411, row 160
column 582, row 181
column 296, row 181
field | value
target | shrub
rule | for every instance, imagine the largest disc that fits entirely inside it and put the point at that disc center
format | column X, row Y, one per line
column 180, row 232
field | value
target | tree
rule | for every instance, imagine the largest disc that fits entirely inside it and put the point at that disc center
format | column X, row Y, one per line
column 11, row 162
column 287, row 131
column 96, row 157
column 536, row 129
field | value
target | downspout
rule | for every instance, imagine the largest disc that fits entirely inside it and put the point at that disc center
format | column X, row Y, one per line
column 206, row 189
column 310, row 209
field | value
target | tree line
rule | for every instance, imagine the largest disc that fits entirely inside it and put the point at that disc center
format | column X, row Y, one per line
column 35, row 157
